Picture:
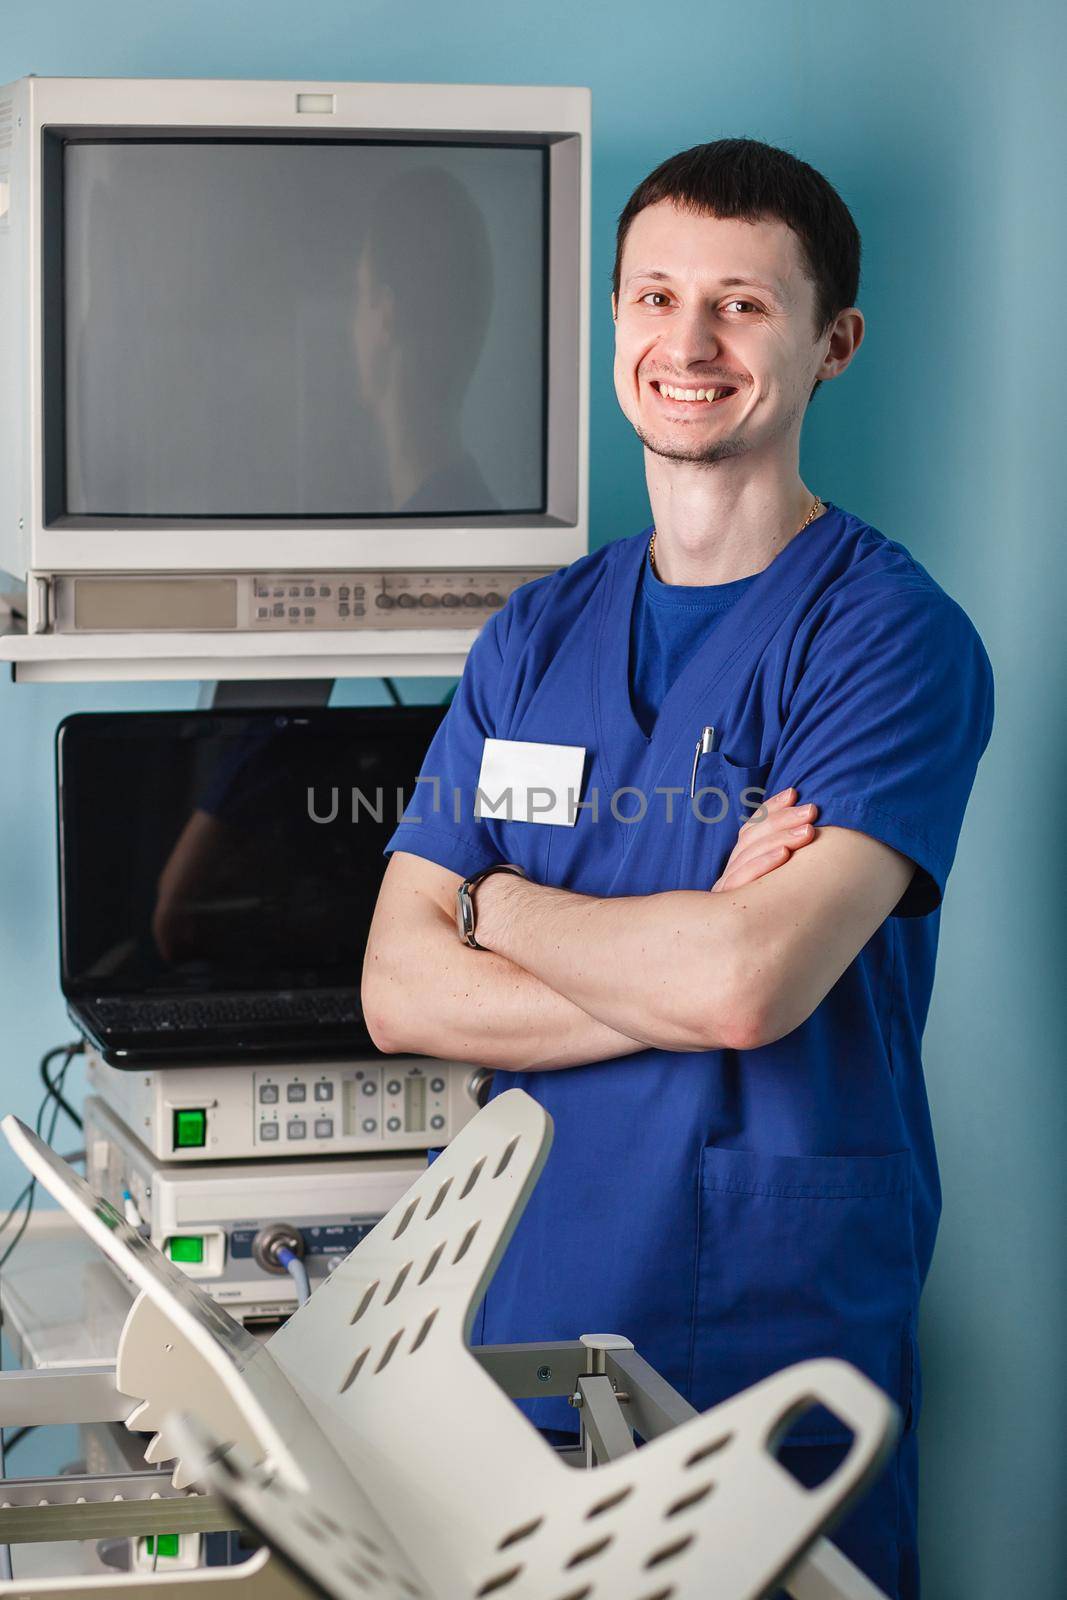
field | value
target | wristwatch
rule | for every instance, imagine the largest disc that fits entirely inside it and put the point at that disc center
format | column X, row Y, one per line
column 465, row 905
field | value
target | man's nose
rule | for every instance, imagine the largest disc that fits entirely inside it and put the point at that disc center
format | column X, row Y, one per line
column 692, row 336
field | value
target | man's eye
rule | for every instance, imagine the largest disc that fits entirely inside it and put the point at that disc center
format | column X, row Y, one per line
column 659, row 295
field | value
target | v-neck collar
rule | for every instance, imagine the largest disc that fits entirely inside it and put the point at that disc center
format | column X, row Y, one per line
column 623, row 744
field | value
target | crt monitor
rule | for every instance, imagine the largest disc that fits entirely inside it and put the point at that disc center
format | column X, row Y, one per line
column 290, row 330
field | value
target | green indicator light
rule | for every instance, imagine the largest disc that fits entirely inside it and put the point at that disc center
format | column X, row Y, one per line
column 164, row 1544
column 190, row 1129
column 187, row 1247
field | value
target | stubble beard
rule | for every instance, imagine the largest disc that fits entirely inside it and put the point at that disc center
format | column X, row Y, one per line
column 702, row 454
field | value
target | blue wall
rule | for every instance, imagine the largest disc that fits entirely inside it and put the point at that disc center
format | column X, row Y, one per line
column 940, row 126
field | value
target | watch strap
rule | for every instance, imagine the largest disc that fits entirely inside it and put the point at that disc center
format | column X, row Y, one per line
column 465, row 913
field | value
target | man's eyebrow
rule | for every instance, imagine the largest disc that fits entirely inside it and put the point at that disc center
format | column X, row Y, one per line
column 724, row 283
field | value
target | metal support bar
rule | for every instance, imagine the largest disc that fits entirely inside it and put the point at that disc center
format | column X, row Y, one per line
column 41, row 1510
column 826, row 1574
column 35, row 1399
column 606, row 1427
column 654, row 1407
column 531, row 1371
column 269, row 694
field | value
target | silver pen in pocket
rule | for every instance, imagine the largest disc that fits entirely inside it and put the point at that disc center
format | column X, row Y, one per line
column 705, row 745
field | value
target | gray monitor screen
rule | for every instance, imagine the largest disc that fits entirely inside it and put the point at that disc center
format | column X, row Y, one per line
column 306, row 329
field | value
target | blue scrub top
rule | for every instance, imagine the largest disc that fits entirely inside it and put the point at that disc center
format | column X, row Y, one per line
column 731, row 1211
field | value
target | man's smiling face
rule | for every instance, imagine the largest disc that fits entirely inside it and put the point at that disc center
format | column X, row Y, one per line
column 681, row 322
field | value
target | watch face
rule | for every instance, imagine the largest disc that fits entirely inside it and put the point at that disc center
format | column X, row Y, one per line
column 464, row 912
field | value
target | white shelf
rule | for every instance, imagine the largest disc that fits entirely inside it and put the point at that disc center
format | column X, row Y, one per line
column 139, row 657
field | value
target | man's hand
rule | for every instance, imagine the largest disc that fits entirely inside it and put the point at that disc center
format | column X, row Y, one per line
column 767, row 840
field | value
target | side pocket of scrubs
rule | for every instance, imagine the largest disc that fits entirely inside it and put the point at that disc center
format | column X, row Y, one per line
column 802, row 1256
column 708, row 823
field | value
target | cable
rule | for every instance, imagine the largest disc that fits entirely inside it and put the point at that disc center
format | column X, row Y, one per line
column 15, row 1206
column 50, row 1085
column 297, row 1271
column 17, row 1437
column 56, row 1093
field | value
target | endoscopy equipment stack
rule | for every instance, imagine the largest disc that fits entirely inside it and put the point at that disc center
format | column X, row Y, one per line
column 224, row 462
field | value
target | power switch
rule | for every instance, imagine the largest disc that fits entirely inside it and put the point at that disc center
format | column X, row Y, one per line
column 187, row 1247
column 190, row 1130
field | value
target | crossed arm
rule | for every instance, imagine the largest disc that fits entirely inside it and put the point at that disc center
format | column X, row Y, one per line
column 569, row 978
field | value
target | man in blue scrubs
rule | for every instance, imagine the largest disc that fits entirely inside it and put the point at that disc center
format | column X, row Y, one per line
column 743, row 1173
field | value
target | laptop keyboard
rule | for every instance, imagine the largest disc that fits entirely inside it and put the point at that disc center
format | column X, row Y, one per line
column 214, row 1011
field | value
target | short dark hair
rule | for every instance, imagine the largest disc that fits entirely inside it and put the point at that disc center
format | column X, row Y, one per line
column 752, row 181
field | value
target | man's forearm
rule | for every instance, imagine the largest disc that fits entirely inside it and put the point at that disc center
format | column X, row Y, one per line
column 656, row 966
column 430, row 994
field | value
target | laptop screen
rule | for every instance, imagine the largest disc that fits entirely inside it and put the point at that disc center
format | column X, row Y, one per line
column 221, row 851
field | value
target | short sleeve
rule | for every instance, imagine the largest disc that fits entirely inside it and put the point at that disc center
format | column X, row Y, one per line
column 438, row 822
column 888, row 720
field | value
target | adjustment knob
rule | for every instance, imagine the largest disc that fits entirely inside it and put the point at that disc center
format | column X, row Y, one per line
column 479, row 1084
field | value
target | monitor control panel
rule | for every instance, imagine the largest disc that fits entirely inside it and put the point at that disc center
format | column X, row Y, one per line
column 281, row 602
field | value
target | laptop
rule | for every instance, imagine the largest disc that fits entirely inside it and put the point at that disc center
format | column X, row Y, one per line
column 218, row 872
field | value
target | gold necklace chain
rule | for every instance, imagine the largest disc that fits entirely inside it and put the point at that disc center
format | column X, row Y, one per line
column 652, row 542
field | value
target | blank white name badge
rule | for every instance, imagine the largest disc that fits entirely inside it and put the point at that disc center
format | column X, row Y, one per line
column 525, row 782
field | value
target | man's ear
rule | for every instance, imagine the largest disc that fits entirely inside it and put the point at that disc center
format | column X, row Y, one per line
column 614, row 308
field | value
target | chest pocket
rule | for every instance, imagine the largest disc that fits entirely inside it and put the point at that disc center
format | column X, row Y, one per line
column 707, row 825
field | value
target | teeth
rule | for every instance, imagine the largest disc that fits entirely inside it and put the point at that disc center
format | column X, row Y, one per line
column 691, row 394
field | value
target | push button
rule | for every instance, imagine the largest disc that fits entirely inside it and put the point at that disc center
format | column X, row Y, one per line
column 190, row 1130
column 187, row 1247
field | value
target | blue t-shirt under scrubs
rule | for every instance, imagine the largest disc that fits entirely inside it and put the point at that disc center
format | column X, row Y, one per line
column 669, row 623
column 731, row 1211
